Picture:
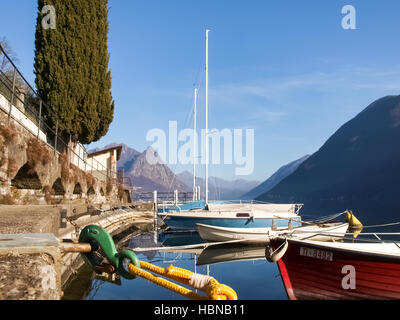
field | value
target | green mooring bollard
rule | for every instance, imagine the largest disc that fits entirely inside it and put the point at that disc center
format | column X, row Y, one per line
column 103, row 239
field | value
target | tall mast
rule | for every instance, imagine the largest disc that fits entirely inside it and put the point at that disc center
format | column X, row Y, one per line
column 206, row 153
column 194, row 145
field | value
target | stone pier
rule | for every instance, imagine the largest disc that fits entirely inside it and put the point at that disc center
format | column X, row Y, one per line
column 32, row 265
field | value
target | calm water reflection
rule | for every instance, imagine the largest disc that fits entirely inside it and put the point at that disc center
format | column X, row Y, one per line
column 244, row 268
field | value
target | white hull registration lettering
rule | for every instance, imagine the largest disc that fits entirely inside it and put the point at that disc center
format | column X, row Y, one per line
column 316, row 254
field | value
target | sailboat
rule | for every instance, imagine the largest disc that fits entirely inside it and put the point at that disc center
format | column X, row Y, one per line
column 196, row 203
column 228, row 214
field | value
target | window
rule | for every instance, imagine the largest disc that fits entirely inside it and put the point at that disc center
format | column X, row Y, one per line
column 242, row 215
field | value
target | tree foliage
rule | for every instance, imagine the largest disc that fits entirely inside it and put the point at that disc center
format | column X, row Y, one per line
column 71, row 67
column 4, row 64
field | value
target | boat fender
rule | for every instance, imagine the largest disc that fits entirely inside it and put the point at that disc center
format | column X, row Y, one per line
column 274, row 255
column 353, row 221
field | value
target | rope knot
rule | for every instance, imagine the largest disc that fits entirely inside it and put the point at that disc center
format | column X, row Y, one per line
column 218, row 291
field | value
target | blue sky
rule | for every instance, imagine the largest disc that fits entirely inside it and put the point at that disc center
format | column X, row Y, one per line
column 286, row 69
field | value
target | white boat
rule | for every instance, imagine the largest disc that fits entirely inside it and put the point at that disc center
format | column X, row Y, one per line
column 256, row 215
column 322, row 232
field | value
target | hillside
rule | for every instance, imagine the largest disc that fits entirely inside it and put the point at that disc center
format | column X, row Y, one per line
column 277, row 177
column 220, row 189
column 357, row 168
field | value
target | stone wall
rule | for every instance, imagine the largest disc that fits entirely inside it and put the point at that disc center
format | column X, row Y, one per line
column 32, row 265
column 31, row 172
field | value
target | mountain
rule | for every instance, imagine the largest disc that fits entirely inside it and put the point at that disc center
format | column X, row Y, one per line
column 357, row 168
column 220, row 189
column 149, row 176
column 277, row 177
column 143, row 175
column 128, row 158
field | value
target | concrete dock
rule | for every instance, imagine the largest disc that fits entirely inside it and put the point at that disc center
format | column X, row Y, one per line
column 32, row 264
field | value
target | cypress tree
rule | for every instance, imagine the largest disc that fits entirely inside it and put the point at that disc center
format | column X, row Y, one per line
column 71, row 67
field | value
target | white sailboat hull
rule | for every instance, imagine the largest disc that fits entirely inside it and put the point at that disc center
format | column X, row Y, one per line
column 327, row 232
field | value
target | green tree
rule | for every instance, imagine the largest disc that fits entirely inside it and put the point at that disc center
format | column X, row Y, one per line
column 71, row 67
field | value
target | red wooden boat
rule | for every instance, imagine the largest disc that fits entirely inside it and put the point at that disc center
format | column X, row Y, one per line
column 337, row 270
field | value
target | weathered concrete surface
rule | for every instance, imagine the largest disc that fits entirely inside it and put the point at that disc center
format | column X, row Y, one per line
column 29, row 243
column 43, row 218
column 29, row 267
column 114, row 222
column 19, row 278
column 110, row 221
column 29, row 219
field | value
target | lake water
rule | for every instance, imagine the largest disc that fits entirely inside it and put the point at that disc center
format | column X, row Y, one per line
column 243, row 268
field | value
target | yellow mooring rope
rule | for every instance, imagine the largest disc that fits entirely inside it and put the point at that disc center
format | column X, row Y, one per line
column 213, row 289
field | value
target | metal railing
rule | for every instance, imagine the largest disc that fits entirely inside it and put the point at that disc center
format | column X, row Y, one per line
column 21, row 103
column 162, row 197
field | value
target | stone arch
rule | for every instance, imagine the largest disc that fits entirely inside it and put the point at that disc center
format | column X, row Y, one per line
column 91, row 191
column 58, row 187
column 78, row 189
column 27, row 178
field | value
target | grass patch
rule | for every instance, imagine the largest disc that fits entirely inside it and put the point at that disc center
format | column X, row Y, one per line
column 65, row 172
column 90, row 179
column 109, row 186
column 37, row 153
column 3, row 160
column 9, row 133
column 12, row 167
column 49, row 194
column 7, row 199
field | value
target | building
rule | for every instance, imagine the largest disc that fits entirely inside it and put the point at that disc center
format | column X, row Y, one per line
column 103, row 163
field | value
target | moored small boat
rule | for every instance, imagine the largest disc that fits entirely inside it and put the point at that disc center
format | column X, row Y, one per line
column 337, row 270
column 231, row 215
column 318, row 232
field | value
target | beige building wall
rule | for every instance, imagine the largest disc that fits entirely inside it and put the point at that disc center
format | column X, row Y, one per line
column 102, row 163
